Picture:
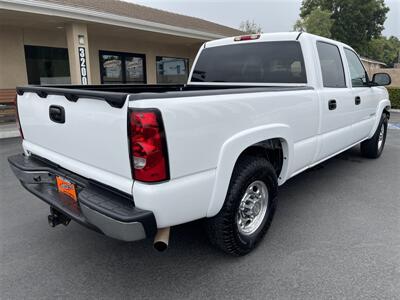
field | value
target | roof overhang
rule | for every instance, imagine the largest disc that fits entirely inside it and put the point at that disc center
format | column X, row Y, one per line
column 87, row 15
column 372, row 61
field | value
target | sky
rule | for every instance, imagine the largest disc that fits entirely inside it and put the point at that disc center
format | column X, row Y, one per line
column 272, row 15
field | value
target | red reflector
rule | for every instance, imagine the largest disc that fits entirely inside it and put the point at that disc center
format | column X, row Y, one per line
column 148, row 146
column 247, row 37
column 17, row 117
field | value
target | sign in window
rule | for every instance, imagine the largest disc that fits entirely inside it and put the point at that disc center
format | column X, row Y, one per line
column 118, row 67
column 172, row 69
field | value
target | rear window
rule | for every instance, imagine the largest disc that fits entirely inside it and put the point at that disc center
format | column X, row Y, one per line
column 262, row 62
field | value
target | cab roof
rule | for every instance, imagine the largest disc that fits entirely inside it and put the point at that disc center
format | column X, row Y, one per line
column 270, row 37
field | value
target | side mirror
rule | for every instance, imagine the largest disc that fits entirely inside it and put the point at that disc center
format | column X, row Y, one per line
column 381, row 79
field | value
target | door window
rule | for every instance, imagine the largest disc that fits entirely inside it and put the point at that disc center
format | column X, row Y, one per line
column 331, row 65
column 117, row 67
column 359, row 77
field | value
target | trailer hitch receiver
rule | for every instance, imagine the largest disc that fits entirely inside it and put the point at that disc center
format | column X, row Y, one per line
column 56, row 218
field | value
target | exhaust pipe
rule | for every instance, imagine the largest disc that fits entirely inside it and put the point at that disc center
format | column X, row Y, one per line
column 161, row 239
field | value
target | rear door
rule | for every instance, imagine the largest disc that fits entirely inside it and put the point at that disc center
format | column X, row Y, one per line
column 337, row 106
column 89, row 139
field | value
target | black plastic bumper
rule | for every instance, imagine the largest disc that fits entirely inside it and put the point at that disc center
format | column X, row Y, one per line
column 99, row 207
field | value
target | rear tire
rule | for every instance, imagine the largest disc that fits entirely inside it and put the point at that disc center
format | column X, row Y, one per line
column 251, row 194
column 373, row 147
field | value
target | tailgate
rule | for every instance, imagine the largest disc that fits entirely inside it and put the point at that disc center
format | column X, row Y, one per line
column 92, row 141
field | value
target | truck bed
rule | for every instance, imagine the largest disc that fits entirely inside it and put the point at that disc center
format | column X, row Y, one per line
column 116, row 95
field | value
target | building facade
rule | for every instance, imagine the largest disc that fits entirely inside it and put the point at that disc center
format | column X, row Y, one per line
column 374, row 66
column 97, row 42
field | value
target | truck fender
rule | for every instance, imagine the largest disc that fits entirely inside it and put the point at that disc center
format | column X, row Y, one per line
column 234, row 146
column 383, row 104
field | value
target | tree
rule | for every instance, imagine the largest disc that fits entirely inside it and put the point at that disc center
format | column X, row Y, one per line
column 318, row 22
column 250, row 27
column 355, row 22
column 383, row 49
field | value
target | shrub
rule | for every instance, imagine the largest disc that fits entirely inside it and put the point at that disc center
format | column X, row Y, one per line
column 394, row 96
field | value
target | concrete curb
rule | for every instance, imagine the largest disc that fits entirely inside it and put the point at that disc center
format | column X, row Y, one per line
column 8, row 131
column 9, row 134
column 395, row 110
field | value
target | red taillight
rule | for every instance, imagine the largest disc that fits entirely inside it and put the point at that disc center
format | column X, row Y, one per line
column 148, row 146
column 247, row 37
column 17, row 117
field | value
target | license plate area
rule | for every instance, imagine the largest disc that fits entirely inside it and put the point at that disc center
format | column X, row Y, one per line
column 66, row 187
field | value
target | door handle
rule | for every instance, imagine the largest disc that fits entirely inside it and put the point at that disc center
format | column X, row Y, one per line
column 57, row 114
column 358, row 100
column 332, row 104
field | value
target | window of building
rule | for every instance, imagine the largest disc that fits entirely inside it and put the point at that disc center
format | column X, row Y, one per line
column 172, row 70
column 118, row 67
column 47, row 65
column 331, row 65
column 358, row 75
column 263, row 62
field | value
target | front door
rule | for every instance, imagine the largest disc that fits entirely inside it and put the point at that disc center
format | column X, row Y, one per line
column 363, row 97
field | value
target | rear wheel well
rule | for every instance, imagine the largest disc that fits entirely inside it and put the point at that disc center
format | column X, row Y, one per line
column 386, row 111
column 270, row 149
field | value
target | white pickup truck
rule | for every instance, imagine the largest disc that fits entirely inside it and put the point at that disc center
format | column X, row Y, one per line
column 130, row 161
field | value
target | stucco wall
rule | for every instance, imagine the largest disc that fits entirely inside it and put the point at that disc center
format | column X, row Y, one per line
column 45, row 37
column 12, row 58
column 12, row 53
column 373, row 68
column 395, row 74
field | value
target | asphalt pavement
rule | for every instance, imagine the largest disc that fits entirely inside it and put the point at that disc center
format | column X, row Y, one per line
column 336, row 235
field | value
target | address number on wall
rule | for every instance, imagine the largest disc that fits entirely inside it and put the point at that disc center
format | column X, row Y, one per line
column 83, row 65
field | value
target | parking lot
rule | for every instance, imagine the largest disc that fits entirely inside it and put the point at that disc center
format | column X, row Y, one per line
column 336, row 234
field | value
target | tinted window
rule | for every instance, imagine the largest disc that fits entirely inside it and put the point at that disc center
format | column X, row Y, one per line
column 357, row 72
column 263, row 62
column 172, row 69
column 117, row 67
column 331, row 65
column 134, row 68
column 47, row 65
column 111, row 68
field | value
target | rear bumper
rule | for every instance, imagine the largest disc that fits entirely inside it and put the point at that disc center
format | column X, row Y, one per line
column 99, row 207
